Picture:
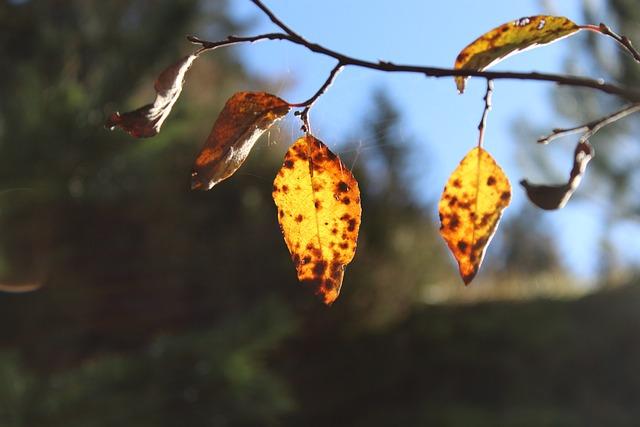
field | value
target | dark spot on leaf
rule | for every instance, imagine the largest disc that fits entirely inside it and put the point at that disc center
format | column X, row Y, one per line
column 454, row 222
column 453, row 201
column 306, row 260
column 317, row 204
column 319, row 268
column 457, row 183
column 334, row 231
column 288, row 164
column 344, row 245
column 462, row 245
column 346, row 200
column 352, row 225
column 491, row 180
column 506, row 195
column 299, row 218
column 285, row 189
column 342, row 187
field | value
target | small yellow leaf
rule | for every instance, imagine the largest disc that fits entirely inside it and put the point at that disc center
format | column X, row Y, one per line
column 319, row 211
column 244, row 118
column 470, row 208
column 509, row 38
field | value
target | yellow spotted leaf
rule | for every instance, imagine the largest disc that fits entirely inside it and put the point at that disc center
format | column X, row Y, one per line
column 244, row 118
column 318, row 203
column 509, row 38
column 470, row 208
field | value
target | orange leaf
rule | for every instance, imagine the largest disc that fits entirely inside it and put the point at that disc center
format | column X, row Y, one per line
column 510, row 38
column 244, row 118
column 470, row 209
column 319, row 212
column 146, row 121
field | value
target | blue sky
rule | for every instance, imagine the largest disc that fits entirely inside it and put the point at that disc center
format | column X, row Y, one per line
column 441, row 123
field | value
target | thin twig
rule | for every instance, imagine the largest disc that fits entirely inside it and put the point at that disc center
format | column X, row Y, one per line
column 276, row 20
column 593, row 126
column 622, row 40
column 485, row 112
column 304, row 114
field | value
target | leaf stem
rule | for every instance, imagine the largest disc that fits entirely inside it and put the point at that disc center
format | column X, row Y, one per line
column 487, row 107
column 304, row 114
column 593, row 126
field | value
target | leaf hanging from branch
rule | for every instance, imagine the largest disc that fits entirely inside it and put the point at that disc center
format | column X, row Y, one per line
column 551, row 197
column 146, row 121
column 244, row 118
column 319, row 213
column 512, row 37
column 471, row 207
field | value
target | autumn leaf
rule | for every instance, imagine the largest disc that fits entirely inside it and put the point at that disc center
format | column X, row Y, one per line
column 551, row 197
column 510, row 38
column 244, row 118
column 319, row 211
column 471, row 207
column 146, row 121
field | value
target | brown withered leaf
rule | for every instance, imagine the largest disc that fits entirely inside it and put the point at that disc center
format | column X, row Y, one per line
column 319, row 212
column 551, row 197
column 244, row 118
column 471, row 207
column 509, row 38
column 146, row 121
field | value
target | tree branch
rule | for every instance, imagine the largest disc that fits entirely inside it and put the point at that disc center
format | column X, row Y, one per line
column 593, row 126
column 437, row 72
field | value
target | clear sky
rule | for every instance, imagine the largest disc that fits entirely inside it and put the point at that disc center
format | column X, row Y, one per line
column 440, row 122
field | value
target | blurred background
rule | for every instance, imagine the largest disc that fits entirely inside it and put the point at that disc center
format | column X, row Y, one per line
column 157, row 306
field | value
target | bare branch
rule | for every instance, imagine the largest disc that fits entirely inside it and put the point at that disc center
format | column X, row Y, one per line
column 593, row 126
column 485, row 112
column 629, row 94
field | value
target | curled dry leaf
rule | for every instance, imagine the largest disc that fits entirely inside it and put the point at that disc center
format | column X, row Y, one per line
column 319, row 211
column 146, row 121
column 471, row 207
column 509, row 38
column 244, row 118
column 551, row 197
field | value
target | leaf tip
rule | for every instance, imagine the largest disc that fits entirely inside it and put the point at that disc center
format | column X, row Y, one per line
column 197, row 183
column 113, row 121
column 468, row 277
